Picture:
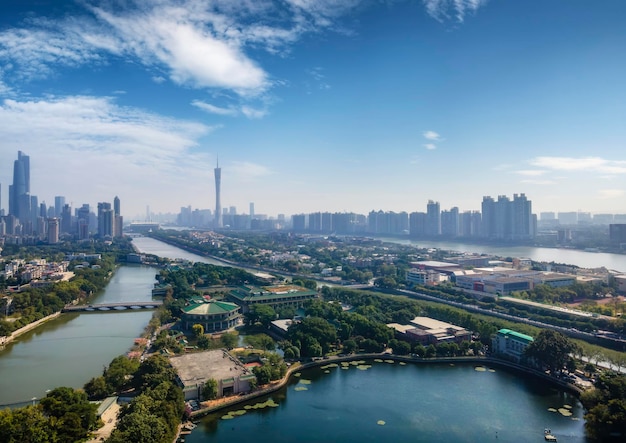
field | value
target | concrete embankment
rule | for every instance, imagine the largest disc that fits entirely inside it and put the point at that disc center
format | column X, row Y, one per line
column 29, row 327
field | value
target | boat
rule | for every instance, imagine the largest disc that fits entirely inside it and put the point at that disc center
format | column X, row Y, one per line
column 548, row 436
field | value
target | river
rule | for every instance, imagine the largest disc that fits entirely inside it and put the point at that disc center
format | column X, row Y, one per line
column 75, row 347
column 391, row 402
column 147, row 245
column 583, row 259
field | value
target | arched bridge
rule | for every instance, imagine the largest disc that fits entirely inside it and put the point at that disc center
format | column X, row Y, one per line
column 115, row 306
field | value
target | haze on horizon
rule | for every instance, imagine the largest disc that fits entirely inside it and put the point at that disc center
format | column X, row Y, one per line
column 316, row 105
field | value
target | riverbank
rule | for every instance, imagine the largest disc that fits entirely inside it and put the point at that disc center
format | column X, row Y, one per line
column 5, row 340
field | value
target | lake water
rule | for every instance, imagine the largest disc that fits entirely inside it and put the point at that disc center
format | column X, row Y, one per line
column 418, row 403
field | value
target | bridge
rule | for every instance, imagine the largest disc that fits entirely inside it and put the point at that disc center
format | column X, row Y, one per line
column 152, row 304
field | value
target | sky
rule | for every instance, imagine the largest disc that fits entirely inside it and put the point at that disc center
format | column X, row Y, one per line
column 316, row 105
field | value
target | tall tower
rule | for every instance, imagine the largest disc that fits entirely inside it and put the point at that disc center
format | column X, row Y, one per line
column 19, row 199
column 218, row 205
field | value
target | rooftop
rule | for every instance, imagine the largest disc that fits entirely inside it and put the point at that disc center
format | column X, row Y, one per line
column 196, row 368
column 210, row 308
column 270, row 292
column 518, row 335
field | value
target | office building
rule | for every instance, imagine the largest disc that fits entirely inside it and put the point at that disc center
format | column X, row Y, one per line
column 105, row 220
column 19, row 191
column 53, row 230
column 59, row 203
column 433, row 219
column 66, row 219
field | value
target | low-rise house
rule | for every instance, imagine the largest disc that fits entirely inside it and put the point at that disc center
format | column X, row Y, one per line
column 195, row 369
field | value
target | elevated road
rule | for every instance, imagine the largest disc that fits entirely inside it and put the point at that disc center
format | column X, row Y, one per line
column 152, row 304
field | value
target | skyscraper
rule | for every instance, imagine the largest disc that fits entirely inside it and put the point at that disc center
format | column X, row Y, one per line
column 19, row 191
column 59, row 202
column 105, row 220
column 218, row 205
column 433, row 218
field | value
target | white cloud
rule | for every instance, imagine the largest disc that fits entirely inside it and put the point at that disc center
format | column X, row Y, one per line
column 212, row 109
column 230, row 111
column 431, row 135
column 443, row 10
column 531, row 172
column 197, row 43
column 430, row 146
column 586, row 164
column 253, row 112
column 158, row 79
column 88, row 146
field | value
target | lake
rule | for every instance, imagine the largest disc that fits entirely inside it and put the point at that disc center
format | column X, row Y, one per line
column 418, row 403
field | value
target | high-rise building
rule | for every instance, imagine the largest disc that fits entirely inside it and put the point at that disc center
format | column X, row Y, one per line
column 53, row 230
column 118, row 220
column 451, row 223
column 19, row 191
column 105, row 220
column 66, row 219
column 433, row 218
column 251, row 209
column 59, row 203
column 82, row 220
column 218, row 204
column 508, row 220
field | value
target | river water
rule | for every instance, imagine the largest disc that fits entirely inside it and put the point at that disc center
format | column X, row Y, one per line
column 583, row 259
column 71, row 349
column 417, row 403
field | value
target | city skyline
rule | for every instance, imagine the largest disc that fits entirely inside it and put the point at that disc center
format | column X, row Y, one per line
column 316, row 106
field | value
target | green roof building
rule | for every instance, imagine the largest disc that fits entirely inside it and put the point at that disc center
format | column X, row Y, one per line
column 276, row 296
column 510, row 344
column 214, row 316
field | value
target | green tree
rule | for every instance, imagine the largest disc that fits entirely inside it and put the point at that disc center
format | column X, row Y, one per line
column 550, row 349
column 97, row 388
column 402, row 348
column 74, row 416
column 431, row 351
column 312, row 331
column 209, row 390
column 229, row 339
column 350, row 346
column 263, row 374
column 197, row 330
column 605, row 419
column 204, row 342
column 260, row 313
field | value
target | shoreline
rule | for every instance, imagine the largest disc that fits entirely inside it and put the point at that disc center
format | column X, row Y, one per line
column 5, row 340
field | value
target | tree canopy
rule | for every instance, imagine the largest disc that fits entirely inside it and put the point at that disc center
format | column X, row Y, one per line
column 550, row 349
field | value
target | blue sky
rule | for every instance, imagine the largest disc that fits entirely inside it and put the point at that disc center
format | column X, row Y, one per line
column 338, row 105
